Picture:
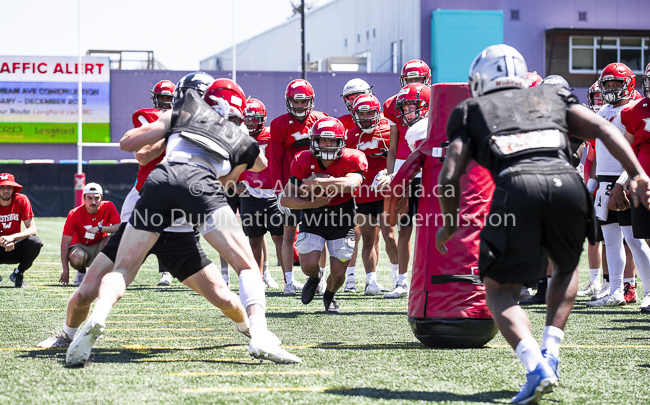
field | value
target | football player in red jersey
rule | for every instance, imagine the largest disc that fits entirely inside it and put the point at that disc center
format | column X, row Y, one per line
column 259, row 208
column 352, row 89
column 148, row 157
column 323, row 182
column 371, row 135
column 290, row 136
column 636, row 121
column 414, row 71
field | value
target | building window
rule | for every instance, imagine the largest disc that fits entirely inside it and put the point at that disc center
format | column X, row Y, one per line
column 582, row 16
column 514, row 15
column 358, row 37
column 367, row 34
column 394, row 53
column 592, row 54
column 346, row 42
column 374, row 34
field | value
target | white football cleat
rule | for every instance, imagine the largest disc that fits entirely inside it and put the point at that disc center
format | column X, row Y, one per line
column 290, row 289
column 57, row 341
column 79, row 278
column 80, row 348
column 604, row 291
column 645, row 304
column 165, row 278
column 590, row 289
column 372, row 288
column 265, row 346
column 611, row 300
column 400, row 290
column 269, row 281
column 350, row 286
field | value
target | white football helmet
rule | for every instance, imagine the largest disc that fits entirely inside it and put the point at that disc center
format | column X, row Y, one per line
column 497, row 67
column 354, row 87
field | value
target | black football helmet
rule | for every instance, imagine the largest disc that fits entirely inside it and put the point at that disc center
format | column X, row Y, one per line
column 199, row 81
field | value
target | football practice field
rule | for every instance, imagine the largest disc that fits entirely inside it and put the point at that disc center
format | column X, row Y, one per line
column 167, row 345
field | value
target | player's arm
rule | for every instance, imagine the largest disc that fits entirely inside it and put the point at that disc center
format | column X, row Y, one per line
column 65, row 249
column 30, row 230
column 338, row 185
column 630, row 138
column 261, row 163
column 291, row 198
column 148, row 134
column 149, row 152
column 587, row 125
column 456, row 161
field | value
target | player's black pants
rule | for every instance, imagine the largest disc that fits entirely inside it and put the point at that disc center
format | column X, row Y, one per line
column 24, row 253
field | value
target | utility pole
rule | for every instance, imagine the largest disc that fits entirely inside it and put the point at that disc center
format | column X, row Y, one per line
column 302, row 36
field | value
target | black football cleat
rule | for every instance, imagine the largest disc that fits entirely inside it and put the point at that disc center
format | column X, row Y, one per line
column 309, row 289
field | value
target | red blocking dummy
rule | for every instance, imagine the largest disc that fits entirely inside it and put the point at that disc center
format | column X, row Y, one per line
column 447, row 306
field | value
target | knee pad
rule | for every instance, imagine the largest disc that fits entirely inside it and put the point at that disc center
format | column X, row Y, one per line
column 308, row 242
column 342, row 248
column 251, row 289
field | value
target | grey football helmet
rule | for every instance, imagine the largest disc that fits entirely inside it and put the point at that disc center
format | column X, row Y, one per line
column 497, row 67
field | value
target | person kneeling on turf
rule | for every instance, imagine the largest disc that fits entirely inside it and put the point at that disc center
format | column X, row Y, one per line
column 322, row 184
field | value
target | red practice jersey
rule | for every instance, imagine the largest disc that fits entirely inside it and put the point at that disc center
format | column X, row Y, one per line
column 636, row 120
column 260, row 179
column 350, row 161
column 285, row 131
column 19, row 210
column 141, row 117
column 403, row 150
column 347, row 121
column 375, row 147
column 79, row 220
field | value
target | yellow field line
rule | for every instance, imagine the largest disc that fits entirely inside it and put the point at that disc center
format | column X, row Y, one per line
column 168, row 338
column 259, row 389
column 190, row 360
column 148, row 348
column 157, row 329
column 151, row 314
column 141, row 322
column 225, row 373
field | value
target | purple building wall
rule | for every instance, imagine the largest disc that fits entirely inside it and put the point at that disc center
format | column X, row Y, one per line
column 130, row 92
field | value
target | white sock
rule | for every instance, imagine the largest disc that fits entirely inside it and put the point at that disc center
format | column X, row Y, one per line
column 551, row 340
column 394, row 267
column 288, row 277
column 100, row 311
column 349, row 272
column 529, row 353
column 401, row 278
column 322, row 270
column 257, row 324
column 370, row 277
column 224, row 270
column 265, row 266
column 593, row 275
column 69, row 331
column 631, row 280
column 243, row 326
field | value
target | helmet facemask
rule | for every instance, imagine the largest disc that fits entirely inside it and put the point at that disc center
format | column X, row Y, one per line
column 613, row 96
column 367, row 123
column 300, row 112
column 254, row 123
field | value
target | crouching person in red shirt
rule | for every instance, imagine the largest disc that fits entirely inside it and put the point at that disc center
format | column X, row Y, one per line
column 86, row 231
column 16, row 246
column 323, row 183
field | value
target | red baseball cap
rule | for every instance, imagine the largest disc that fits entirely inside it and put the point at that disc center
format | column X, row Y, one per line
column 7, row 179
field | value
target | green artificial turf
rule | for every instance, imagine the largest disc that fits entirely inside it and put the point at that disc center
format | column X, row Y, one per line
column 169, row 345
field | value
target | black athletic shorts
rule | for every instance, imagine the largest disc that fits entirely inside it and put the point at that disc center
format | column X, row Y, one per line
column 373, row 208
column 234, row 200
column 180, row 253
column 623, row 218
column 535, row 210
column 415, row 191
column 329, row 222
column 177, row 191
column 259, row 215
column 640, row 222
column 292, row 219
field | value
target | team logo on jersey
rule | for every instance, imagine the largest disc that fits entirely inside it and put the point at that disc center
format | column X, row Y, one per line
column 6, row 225
column 298, row 136
column 369, row 145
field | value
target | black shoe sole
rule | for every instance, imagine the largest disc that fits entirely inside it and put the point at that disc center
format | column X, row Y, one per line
column 309, row 290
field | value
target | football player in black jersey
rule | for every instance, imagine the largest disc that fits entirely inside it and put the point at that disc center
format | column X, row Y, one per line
column 539, row 204
column 204, row 150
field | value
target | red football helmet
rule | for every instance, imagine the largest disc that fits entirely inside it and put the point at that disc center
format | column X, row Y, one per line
column 299, row 89
column 327, row 128
column 616, row 72
column 254, row 116
column 533, row 79
column 414, row 98
column 594, row 97
column 162, row 95
column 364, row 104
column 646, row 81
column 233, row 94
column 413, row 69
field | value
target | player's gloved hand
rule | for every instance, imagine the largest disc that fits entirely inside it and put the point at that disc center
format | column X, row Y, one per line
column 282, row 209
